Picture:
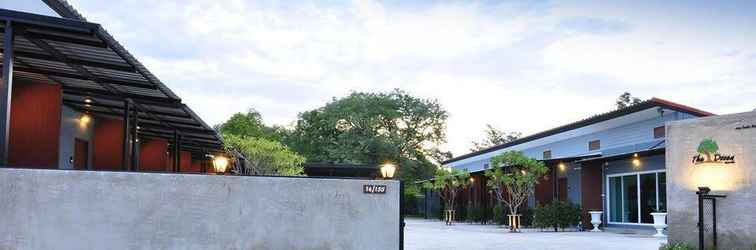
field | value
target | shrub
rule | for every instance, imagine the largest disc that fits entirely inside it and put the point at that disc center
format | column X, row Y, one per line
column 676, row 246
column 557, row 215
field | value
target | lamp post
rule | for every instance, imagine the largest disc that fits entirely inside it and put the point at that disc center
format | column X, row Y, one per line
column 387, row 172
column 220, row 163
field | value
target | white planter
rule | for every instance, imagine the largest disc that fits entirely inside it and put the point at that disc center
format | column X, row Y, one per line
column 596, row 220
column 660, row 223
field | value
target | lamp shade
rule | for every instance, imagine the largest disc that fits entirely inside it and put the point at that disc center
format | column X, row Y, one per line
column 388, row 170
column 220, row 163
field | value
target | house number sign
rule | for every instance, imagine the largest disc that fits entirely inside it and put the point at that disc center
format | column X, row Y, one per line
column 374, row 189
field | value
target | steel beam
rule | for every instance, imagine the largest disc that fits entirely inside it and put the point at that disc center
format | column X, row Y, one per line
column 6, row 88
column 135, row 143
column 126, row 121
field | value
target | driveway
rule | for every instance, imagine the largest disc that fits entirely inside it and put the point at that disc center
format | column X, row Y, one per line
column 433, row 234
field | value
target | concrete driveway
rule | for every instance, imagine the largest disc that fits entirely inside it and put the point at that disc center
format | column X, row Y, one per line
column 433, row 234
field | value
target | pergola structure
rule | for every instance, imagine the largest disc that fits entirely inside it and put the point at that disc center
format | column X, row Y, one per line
column 96, row 76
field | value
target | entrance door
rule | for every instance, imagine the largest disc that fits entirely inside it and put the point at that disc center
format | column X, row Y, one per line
column 81, row 154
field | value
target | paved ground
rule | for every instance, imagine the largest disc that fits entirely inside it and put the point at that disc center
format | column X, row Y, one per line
column 433, row 234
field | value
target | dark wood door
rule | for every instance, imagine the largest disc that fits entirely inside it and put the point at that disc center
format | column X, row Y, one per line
column 562, row 189
column 81, row 154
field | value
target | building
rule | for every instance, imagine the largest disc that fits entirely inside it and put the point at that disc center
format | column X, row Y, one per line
column 612, row 162
column 74, row 98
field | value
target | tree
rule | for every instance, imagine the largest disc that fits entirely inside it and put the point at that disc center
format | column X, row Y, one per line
column 448, row 182
column 494, row 137
column 249, row 124
column 626, row 100
column 371, row 128
column 513, row 177
column 266, row 157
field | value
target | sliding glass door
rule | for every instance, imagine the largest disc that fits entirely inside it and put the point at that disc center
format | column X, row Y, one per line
column 633, row 197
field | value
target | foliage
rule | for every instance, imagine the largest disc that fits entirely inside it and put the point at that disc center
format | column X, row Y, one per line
column 266, row 157
column 249, row 124
column 513, row 177
column 557, row 215
column 370, row 128
column 494, row 137
column 626, row 100
column 708, row 147
column 676, row 246
column 448, row 182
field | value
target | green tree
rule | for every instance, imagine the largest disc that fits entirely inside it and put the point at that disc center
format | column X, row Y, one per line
column 266, row 157
column 513, row 177
column 370, row 128
column 249, row 124
column 626, row 100
column 448, row 182
column 494, row 136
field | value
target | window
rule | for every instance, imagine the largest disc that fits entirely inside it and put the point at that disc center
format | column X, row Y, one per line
column 485, row 166
column 547, row 154
column 594, row 145
column 659, row 132
column 633, row 197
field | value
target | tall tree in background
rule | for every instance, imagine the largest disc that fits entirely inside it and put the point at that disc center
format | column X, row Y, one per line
column 494, row 136
column 626, row 99
column 260, row 145
column 370, row 128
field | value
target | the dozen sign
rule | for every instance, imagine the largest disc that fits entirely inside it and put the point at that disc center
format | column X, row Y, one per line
column 374, row 189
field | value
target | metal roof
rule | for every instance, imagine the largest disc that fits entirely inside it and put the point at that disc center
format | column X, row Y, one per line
column 651, row 103
column 97, row 75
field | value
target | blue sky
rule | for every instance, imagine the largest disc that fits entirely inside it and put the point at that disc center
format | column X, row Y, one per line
column 519, row 65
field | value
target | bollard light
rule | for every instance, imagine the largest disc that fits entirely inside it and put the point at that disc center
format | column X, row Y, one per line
column 388, row 170
column 220, row 163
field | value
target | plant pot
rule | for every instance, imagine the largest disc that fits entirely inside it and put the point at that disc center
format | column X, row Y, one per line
column 660, row 223
column 596, row 220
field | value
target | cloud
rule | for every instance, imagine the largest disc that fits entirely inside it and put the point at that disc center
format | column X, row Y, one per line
column 520, row 65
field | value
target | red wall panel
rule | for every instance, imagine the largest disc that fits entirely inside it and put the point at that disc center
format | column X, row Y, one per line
column 544, row 190
column 152, row 156
column 107, row 145
column 591, row 189
column 34, row 125
column 186, row 162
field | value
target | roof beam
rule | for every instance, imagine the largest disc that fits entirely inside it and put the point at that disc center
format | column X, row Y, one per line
column 105, row 94
column 104, row 65
column 28, row 69
column 121, row 108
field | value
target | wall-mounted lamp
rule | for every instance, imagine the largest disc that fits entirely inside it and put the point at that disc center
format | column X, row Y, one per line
column 88, row 100
column 220, row 163
column 562, row 166
column 84, row 120
column 636, row 160
column 388, row 170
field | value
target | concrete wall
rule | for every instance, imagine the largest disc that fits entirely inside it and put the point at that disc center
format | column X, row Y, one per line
column 736, row 218
column 67, row 209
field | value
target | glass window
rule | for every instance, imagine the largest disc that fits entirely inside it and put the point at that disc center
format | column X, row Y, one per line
column 615, row 199
column 663, row 192
column 630, row 198
column 633, row 197
column 594, row 145
column 647, row 197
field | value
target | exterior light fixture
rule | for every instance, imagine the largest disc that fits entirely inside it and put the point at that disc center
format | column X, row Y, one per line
column 84, row 120
column 88, row 100
column 562, row 167
column 636, row 160
column 388, row 170
column 472, row 180
column 220, row 163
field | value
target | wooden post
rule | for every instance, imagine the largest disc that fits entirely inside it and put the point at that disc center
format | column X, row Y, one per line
column 6, row 88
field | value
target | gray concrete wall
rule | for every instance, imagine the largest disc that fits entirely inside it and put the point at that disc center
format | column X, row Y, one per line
column 68, row 209
column 736, row 215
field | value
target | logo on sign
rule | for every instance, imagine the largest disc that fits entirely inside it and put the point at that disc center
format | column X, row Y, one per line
column 374, row 189
column 708, row 152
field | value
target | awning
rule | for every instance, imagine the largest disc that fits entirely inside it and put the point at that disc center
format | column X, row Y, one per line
column 99, row 76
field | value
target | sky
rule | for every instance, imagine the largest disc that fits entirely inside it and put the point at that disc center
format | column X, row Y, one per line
column 523, row 66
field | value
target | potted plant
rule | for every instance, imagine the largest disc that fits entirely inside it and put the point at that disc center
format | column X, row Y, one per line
column 660, row 222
